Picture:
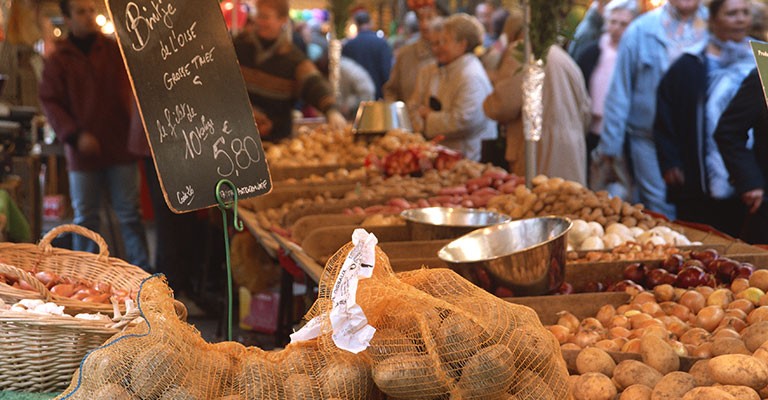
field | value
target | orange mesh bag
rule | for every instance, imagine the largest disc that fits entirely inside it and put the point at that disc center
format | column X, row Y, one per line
column 436, row 337
column 165, row 358
column 440, row 337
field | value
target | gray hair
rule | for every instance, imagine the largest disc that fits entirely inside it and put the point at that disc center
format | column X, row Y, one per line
column 629, row 5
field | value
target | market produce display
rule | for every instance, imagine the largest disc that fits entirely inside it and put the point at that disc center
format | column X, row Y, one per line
column 555, row 196
column 324, row 146
column 592, row 235
column 437, row 336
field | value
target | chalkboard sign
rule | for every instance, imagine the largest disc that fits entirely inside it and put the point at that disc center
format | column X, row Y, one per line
column 760, row 51
column 192, row 99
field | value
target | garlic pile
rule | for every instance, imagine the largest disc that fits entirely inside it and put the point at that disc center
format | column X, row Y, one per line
column 585, row 236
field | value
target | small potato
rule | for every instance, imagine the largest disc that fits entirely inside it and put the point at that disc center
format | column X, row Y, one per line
column 700, row 372
column 707, row 393
column 659, row 354
column 636, row 392
column 755, row 335
column 593, row 359
column 740, row 392
column 594, row 386
column 739, row 370
column 630, row 372
column 673, row 386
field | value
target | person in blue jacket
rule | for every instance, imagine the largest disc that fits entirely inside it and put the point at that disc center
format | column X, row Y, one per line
column 649, row 46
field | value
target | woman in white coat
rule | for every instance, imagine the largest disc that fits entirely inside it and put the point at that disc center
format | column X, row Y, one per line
column 456, row 111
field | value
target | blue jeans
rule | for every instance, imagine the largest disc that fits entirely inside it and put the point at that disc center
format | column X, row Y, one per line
column 653, row 190
column 121, row 183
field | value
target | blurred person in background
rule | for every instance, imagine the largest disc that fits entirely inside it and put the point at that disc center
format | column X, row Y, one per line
column 425, row 86
column 456, row 112
column 504, row 104
column 410, row 58
column 277, row 74
column 87, row 98
column 492, row 57
column 692, row 95
column 484, row 13
column 649, row 46
column 370, row 51
column 746, row 117
column 355, row 86
column 562, row 152
column 597, row 62
column 589, row 28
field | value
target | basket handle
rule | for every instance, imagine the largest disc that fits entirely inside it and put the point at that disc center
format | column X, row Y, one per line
column 45, row 242
column 20, row 274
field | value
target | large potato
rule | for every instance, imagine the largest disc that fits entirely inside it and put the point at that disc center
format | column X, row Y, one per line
column 700, row 372
column 707, row 393
column 489, row 372
column 729, row 345
column 593, row 359
column 755, row 335
column 156, row 368
column 300, row 387
column 347, row 377
column 528, row 385
column 458, row 339
column 740, row 392
column 630, row 372
column 112, row 391
column 410, row 377
column 257, row 377
column 594, row 386
column 532, row 347
column 659, row 354
column 739, row 370
column 673, row 386
column 636, row 392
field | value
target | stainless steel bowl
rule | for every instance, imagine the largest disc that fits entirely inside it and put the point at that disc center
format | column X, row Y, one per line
column 378, row 117
column 528, row 255
column 436, row 223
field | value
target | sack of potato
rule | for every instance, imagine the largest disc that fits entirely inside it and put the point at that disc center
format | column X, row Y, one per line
column 166, row 358
column 438, row 336
column 424, row 335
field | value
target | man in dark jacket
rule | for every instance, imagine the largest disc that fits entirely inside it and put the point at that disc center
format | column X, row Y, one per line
column 87, row 98
column 748, row 168
column 370, row 51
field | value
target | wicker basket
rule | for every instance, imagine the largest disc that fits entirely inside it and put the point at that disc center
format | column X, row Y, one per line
column 73, row 264
column 40, row 353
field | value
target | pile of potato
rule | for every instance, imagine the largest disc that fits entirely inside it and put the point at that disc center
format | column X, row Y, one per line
column 700, row 322
column 403, row 187
column 555, row 196
column 324, row 146
column 341, row 175
column 725, row 377
column 627, row 251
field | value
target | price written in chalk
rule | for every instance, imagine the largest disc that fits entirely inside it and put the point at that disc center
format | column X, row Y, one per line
column 192, row 99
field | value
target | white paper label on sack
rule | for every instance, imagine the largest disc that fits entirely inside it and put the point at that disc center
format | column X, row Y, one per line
column 350, row 327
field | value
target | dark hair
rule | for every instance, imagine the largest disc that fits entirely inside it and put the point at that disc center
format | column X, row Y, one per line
column 280, row 6
column 362, row 18
column 64, row 5
column 498, row 18
column 715, row 6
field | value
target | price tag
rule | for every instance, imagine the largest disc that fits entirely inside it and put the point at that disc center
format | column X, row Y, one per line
column 192, row 100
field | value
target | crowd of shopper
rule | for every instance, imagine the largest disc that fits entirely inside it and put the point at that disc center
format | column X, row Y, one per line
column 667, row 101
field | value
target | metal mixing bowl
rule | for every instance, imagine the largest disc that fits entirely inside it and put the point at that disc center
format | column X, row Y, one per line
column 379, row 117
column 527, row 255
column 436, row 223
